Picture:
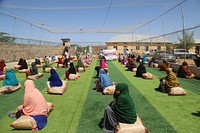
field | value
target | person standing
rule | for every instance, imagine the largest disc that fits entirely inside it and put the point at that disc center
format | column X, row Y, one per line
column 66, row 58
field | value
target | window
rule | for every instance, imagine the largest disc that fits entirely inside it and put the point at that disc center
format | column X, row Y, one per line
column 115, row 47
column 159, row 47
column 137, row 47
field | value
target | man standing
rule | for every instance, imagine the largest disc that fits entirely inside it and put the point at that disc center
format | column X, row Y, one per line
column 66, row 58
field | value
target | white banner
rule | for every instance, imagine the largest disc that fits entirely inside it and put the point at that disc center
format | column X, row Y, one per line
column 110, row 54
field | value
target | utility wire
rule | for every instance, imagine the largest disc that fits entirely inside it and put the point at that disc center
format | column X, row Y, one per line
column 159, row 16
column 107, row 14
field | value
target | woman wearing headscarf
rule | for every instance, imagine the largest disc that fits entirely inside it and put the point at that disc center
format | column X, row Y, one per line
column 80, row 66
column 140, row 70
column 71, row 70
column 2, row 65
column 139, row 58
column 122, row 109
column 37, row 61
column 165, row 65
column 124, row 60
column 47, row 64
column 103, row 62
column 104, row 80
column 54, row 79
column 33, row 69
column 131, row 64
column 34, row 105
column 60, row 62
column 10, row 79
column 169, row 81
column 20, row 61
column 184, row 71
column 24, row 65
column 152, row 62
column 144, row 59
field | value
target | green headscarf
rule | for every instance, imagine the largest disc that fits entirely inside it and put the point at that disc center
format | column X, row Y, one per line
column 80, row 64
column 124, row 106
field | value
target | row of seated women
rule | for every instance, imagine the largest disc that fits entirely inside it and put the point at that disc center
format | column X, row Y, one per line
column 182, row 72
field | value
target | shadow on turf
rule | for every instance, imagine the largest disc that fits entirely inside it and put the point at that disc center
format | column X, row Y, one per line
column 196, row 114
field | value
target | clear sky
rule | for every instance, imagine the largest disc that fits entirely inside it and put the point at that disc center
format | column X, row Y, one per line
column 90, row 20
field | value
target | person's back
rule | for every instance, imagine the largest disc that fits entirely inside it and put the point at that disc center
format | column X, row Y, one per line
column 140, row 70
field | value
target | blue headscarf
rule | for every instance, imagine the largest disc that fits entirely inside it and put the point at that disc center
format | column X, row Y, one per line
column 54, row 78
column 10, row 79
column 144, row 59
column 104, row 79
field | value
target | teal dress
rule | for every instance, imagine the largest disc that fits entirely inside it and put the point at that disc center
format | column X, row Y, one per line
column 10, row 79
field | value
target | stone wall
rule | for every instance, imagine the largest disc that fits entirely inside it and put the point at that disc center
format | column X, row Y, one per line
column 11, row 52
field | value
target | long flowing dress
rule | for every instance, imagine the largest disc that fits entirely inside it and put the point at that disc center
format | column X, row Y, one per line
column 54, row 78
column 33, row 69
column 140, row 70
column 104, row 79
column 34, row 104
column 121, row 110
column 10, row 79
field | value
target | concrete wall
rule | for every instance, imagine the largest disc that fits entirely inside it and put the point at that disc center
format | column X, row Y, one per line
column 11, row 52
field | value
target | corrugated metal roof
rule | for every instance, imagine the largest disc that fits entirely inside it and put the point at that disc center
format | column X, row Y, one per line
column 137, row 38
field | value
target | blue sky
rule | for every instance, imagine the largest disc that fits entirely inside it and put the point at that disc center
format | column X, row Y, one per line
column 82, row 20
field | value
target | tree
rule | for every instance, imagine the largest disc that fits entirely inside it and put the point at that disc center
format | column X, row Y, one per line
column 188, row 40
column 4, row 37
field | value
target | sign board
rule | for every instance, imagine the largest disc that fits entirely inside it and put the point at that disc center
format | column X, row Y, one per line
column 110, row 54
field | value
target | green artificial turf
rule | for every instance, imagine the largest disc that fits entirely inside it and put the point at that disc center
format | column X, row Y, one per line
column 80, row 108
column 177, row 110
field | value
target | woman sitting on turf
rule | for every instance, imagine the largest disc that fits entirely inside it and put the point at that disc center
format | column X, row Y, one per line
column 139, row 59
column 169, row 81
column 60, row 62
column 80, row 65
column 10, row 79
column 103, row 81
column 152, row 62
column 23, row 64
column 71, row 73
column 54, row 79
column 103, row 63
column 121, row 109
column 34, row 105
column 144, row 59
column 33, row 69
column 124, row 60
column 37, row 61
column 46, row 65
column 131, row 64
column 184, row 71
column 140, row 70
column 165, row 65
column 2, row 66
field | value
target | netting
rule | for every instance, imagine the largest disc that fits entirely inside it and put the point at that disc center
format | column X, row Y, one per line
column 169, row 23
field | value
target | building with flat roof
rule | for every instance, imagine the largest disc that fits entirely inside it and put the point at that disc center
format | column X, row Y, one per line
column 138, row 43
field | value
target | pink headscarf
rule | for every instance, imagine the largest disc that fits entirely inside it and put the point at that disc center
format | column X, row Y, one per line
column 34, row 102
column 103, row 64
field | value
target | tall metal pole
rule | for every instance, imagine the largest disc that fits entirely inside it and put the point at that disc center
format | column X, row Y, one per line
column 164, row 35
column 14, row 26
column 183, row 32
